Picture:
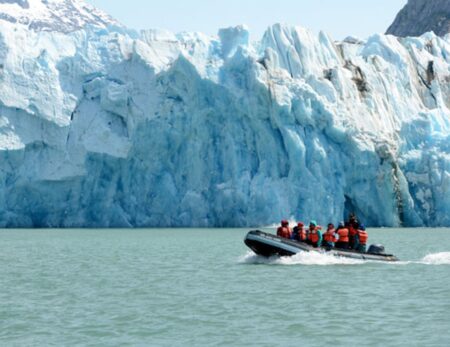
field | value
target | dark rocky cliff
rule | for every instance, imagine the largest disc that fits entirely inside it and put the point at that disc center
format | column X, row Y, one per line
column 421, row 16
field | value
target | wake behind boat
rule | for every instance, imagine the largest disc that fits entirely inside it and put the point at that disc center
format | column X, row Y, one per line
column 268, row 245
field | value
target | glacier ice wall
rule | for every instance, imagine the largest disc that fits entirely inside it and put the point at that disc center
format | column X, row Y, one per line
column 101, row 129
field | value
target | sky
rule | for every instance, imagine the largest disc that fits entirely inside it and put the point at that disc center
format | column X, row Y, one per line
column 338, row 18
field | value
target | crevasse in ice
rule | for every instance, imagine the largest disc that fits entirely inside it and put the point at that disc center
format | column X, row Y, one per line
column 110, row 128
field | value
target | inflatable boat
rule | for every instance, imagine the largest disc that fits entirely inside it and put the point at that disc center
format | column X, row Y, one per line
column 268, row 245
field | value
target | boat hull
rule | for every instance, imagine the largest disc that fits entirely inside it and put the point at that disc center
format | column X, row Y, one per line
column 268, row 245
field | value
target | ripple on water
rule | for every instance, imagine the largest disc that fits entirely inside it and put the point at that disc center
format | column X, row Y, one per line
column 322, row 259
column 442, row 258
column 302, row 258
column 189, row 287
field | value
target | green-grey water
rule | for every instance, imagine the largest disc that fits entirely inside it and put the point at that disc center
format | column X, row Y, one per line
column 204, row 288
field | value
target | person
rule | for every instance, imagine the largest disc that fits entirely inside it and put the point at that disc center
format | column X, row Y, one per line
column 314, row 234
column 352, row 232
column 329, row 238
column 343, row 234
column 303, row 234
column 299, row 233
column 353, row 221
column 294, row 235
column 361, row 239
column 284, row 230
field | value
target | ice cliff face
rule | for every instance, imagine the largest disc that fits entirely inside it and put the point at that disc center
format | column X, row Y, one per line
column 101, row 129
column 421, row 16
column 53, row 15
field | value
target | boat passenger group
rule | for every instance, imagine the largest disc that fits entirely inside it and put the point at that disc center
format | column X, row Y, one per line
column 348, row 235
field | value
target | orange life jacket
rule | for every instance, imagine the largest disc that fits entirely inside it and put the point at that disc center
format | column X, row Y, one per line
column 303, row 235
column 329, row 236
column 363, row 237
column 352, row 231
column 313, row 236
column 284, row 232
column 343, row 235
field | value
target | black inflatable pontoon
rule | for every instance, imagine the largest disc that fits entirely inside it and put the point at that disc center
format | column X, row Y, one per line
column 269, row 245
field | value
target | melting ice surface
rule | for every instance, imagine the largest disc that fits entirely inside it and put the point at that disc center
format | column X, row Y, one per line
column 108, row 127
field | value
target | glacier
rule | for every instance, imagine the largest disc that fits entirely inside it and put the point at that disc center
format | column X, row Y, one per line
column 108, row 127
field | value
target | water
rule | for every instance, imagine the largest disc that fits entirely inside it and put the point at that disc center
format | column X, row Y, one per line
column 203, row 288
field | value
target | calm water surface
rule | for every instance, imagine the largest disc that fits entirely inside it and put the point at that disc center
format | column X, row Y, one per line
column 203, row 288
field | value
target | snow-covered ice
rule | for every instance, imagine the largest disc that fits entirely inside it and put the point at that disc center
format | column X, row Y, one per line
column 105, row 127
column 53, row 15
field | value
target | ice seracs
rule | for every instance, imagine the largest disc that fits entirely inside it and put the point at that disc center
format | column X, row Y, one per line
column 99, row 128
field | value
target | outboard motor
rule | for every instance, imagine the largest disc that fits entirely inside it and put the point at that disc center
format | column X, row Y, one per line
column 376, row 249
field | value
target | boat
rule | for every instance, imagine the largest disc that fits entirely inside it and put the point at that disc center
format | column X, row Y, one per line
column 268, row 245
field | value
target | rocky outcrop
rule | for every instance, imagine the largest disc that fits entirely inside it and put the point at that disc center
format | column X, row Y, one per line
column 421, row 16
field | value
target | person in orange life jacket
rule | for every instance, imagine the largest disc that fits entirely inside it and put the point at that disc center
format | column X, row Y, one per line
column 329, row 238
column 342, row 232
column 314, row 234
column 353, row 221
column 308, row 231
column 299, row 233
column 352, row 232
column 361, row 239
column 284, row 230
column 352, row 226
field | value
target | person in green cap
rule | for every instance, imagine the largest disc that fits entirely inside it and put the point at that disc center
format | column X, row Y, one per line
column 314, row 234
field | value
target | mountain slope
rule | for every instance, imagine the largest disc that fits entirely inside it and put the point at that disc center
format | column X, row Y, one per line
column 421, row 16
column 53, row 15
